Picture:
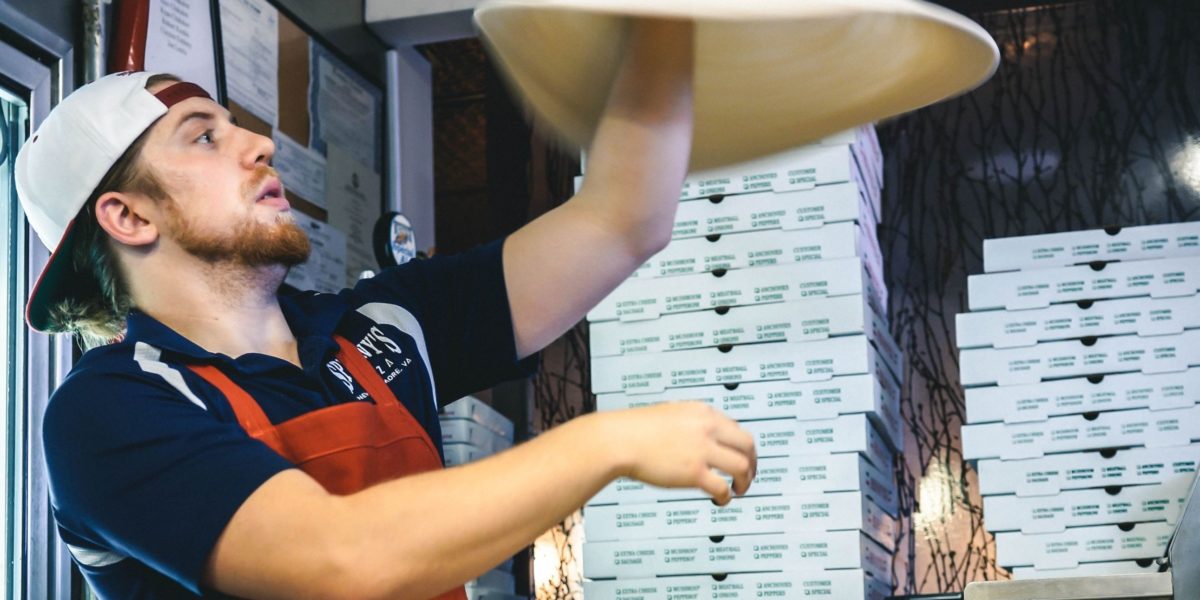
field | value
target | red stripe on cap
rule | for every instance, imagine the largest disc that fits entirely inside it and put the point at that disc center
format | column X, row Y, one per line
column 179, row 92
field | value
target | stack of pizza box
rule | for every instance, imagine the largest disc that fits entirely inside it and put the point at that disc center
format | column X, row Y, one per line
column 1081, row 363
column 768, row 304
column 471, row 430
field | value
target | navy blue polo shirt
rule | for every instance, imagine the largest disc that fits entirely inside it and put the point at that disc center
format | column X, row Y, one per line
column 147, row 461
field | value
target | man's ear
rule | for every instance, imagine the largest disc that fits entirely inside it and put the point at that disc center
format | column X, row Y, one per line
column 121, row 215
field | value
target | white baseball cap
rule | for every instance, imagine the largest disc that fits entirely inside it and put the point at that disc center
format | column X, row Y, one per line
column 60, row 165
column 769, row 75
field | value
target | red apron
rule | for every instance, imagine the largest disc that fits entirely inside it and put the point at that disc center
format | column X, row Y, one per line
column 347, row 447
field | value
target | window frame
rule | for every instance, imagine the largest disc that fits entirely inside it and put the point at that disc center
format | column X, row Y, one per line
column 38, row 66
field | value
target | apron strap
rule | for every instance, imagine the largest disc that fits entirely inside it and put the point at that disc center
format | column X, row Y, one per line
column 365, row 374
column 249, row 414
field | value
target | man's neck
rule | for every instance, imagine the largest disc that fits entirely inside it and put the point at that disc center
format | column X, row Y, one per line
column 225, row 309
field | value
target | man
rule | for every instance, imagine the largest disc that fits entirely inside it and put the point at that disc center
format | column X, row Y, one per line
column 237, row 443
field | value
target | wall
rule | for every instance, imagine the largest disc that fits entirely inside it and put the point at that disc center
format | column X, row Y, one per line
column 1091, row 120
column 61, row 17
column 341, row 23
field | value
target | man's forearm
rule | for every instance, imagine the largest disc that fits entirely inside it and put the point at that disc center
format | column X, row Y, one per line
column 638, row 157
column 420, row 535
column 424, row 534
column 566, row 261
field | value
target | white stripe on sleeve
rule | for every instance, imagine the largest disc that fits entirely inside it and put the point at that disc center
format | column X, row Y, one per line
column 147, row 357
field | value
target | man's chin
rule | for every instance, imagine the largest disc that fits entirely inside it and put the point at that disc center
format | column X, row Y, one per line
column 259, row 245
column 289, row 244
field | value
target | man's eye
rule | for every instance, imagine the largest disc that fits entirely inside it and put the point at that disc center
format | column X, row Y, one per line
column 205, row 138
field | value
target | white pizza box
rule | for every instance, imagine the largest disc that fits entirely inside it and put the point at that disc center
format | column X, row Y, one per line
column 847, row 433
column 1123, row 567
column 776, row 476
column 466, row 431
column 844, row 584
column 841, row 138
column 1080, row 470
column 748, row 515
column 803, row 361
column 802, row 168
column 875, row 394
column 1071, row 248
column 1079, row 545
column 797, row 321
column 636, row 299
column 1141, row 316
column 1038, row 401
column 798, row 168
column 762, row 249
column 1016, row 290
column 470, row 407
column 1116, row 429
column 461, row 454
column 1073, row 358
column 736, row 554
column 795, row 210
column 870, row 140
column 863, row 143
column 868, row 160
column 1077, row 508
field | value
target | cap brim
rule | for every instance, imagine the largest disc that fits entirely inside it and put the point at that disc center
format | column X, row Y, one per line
column 59, row 281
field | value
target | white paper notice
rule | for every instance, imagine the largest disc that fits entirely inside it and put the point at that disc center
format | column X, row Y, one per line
column 250, row 40
column 179, row 40
column 353, row 198
column 301, row 169
column 347, row 110
column 325, row 270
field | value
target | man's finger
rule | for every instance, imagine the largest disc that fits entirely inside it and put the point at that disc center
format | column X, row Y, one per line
column 734, row 463
column 714, row 485
column 730, row 433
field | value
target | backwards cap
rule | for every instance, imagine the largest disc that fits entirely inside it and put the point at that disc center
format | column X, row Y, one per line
column 61, row 164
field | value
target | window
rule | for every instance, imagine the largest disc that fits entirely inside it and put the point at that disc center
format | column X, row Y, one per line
column 35, row 71
column 13, row 117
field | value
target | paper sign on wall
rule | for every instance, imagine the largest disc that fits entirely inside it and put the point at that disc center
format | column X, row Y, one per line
column 325, row 270
column 344, row 109
column 352, row 193
column 250, row 40
column 179, row 40
column 301, row 169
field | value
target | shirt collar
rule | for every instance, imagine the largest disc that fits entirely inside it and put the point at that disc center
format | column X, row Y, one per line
column 312, row 318
column 141, row 327
column 312, row 314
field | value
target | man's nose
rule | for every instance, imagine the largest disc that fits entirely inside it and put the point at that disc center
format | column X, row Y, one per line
column 259, row 151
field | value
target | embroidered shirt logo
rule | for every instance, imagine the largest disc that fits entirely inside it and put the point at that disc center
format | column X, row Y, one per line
column 376, row 343
column 339, row 371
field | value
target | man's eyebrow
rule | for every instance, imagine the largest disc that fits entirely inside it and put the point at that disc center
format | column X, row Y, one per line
column 206, row 115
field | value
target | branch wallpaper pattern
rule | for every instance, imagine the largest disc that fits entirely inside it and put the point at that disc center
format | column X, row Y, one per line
column 1091, row 120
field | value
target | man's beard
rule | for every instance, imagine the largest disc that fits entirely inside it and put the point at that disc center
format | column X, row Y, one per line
column 249, row 243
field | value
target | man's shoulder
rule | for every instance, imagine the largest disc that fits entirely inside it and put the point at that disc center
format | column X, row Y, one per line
column 107, row 375
column 100, row 364
column 115, row 360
